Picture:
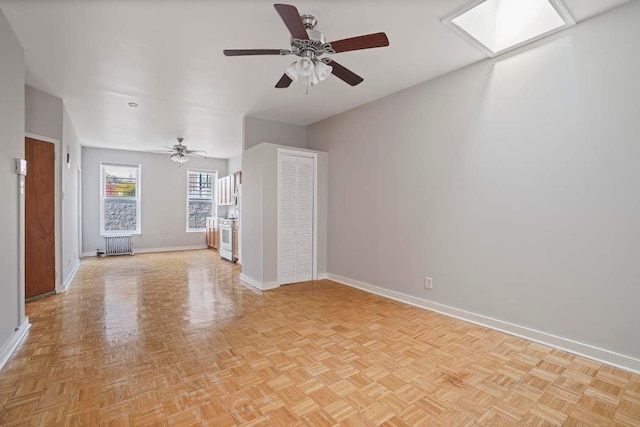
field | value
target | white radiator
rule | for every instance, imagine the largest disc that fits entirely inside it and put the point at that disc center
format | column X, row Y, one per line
column 118, row 245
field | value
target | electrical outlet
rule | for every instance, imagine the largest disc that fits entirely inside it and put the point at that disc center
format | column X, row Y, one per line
column 428, row 283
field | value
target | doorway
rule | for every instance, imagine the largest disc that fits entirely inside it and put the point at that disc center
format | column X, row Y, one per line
column 40, row 274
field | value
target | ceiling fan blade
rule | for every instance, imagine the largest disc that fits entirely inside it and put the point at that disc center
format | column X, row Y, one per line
column 291, row 18
column 201, row 156
column 361, row 42
column 246, row 52
column 345, row 74
column 284, row 82
column 160, row 151
column 195, row 152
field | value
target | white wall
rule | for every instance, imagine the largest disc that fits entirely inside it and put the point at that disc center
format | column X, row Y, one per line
column 512, row 182
column 43, row 113
column 252, row 212
column 234, row 164
column 256, row 130
column 259, row 212
column 70, row 200
column 163, row 204
column 11, row 147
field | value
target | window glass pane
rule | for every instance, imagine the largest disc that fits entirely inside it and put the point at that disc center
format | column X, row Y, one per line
column 120, row 181
column 199, row 199
column 200, row 185
column 199, row 210
column 120, row 214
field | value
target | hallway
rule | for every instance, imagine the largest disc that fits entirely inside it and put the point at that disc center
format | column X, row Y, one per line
column 175, row 338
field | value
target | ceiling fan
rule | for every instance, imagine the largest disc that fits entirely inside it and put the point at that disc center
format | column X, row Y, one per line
column 180, row 154
column 310, row 44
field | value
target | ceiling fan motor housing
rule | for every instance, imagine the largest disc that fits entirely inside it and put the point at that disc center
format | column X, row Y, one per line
column 316, row 45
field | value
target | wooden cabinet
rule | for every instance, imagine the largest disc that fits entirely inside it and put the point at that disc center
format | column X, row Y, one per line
column 222, row 190
column 235, row 241
column 212, row 235
column 226, row 189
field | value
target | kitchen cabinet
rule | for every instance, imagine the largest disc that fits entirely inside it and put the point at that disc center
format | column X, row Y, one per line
column 225, row 188
column 212, row 234
column 235, row 241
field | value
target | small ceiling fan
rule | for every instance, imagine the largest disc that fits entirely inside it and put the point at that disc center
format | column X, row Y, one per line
column 180, row 154
column 310, row 44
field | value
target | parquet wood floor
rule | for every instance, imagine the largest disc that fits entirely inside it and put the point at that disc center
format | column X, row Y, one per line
column 176, row 339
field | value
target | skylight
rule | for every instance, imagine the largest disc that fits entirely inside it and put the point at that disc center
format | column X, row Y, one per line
column 497, row 26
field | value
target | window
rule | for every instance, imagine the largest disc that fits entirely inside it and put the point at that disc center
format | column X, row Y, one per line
column 200, row 205
column 120, row 199
column 498, row 26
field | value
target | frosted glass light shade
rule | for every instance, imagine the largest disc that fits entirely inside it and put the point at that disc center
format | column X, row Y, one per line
column 291, row 72
column 323, row 70
column 179, row 158
column 304, row 67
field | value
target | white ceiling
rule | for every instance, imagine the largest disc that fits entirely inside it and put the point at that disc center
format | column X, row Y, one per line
column 167, row 56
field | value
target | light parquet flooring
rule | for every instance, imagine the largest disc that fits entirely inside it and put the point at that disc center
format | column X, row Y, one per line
column 177, row 339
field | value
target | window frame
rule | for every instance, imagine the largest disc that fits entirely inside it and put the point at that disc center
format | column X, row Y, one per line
column 138, row 199
column 558, row 5
column 214, row 205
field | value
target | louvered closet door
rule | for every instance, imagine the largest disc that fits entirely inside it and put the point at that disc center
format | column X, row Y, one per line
column 304, row 220
column 295, row 218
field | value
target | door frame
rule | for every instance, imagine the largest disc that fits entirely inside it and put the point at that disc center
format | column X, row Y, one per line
column 314, row 258
column 57, row 209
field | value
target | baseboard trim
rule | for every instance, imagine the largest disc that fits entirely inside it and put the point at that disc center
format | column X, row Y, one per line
column 322, row 276
column 168, row 249
column 588, row 351
column 263, row 286
column 152, row 250
column 67, row 283
column 14, row 341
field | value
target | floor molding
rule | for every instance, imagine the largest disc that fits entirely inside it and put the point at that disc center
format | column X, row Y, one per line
column 14, row 341
column 257, row 284
column 67, row 283
column 153, row 250
column 601, row 355
column 168, row 249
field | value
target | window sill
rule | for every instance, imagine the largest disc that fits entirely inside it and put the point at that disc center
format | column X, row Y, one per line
column 204, row 230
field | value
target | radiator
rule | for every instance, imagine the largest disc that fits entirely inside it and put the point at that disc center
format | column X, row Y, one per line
column 118, row 245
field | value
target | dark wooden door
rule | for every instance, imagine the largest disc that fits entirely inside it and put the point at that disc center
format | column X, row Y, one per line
column 40, row 241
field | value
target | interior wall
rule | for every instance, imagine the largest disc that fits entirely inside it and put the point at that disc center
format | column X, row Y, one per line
column 256, row 131
column 512, row 182
column 11, row 147
column 234, row 164
column 70, row 216
column 163, row 203
column 252, row 212
column 43, row 114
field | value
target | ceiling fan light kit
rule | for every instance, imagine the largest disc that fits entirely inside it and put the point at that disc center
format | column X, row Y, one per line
column 180, row 154
column 313, row 70
column 310, row 44
column 179, row 158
